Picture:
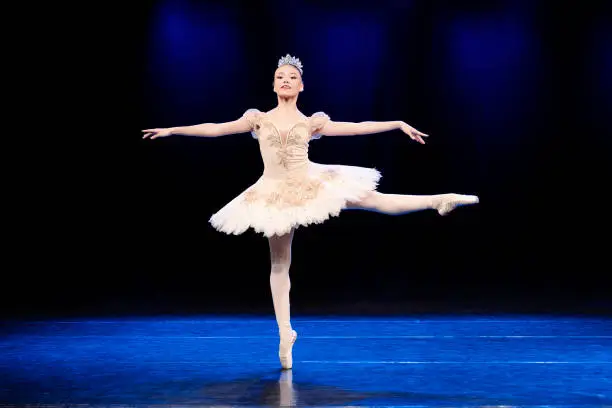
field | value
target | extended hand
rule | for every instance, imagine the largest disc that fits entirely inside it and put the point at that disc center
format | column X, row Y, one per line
column 155, row 133
column 413, row 133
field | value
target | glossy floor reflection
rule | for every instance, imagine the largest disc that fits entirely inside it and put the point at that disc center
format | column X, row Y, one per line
column 445, row 362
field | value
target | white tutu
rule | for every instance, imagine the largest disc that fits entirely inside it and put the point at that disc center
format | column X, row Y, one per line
column 275, row 206
column 293, row 191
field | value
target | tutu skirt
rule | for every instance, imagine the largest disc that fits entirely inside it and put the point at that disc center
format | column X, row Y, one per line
column 276, row 205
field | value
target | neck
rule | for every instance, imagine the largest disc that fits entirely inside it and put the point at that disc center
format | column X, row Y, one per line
column 287, row 104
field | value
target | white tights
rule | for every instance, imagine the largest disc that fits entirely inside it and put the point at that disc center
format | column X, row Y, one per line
column 395, row 204
column 280, row 284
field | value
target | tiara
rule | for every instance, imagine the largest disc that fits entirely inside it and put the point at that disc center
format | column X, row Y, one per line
column 289, row 60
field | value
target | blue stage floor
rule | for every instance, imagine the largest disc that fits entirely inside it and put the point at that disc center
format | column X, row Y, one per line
column 435, row 361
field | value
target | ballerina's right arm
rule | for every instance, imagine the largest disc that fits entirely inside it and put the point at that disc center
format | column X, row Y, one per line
column 241, row 125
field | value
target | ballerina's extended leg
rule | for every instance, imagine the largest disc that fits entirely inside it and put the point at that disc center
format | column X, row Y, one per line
column 396, row 204
column 280, row 284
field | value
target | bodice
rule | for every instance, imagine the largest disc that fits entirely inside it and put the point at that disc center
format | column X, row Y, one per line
column 284, row 152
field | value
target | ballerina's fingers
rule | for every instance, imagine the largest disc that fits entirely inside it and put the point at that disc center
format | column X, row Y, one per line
column 149, row 133
column 416, row 136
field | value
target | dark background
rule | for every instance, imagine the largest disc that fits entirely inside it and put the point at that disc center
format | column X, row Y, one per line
column 516, row 96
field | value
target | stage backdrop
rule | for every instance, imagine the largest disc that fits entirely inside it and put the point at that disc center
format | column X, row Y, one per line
column 516, row 98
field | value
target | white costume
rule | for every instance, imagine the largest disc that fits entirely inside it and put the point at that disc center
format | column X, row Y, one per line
column 292, row 191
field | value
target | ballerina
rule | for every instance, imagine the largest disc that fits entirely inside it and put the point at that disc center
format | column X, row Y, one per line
column 294, row 191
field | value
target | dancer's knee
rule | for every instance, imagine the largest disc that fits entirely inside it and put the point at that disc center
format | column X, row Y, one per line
column 280, row 266
column 368, row 202
column 374, row 201
column 279, row 274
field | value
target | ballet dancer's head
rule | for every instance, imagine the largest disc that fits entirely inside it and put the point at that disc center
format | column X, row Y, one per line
column 288, row 77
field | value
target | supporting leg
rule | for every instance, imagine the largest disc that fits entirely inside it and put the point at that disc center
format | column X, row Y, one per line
column 280, row 285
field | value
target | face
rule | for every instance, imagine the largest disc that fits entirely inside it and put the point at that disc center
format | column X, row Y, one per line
column 288, row 81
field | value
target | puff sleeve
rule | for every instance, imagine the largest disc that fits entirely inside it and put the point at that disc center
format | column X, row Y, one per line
column 317, row 122
column 253, row 116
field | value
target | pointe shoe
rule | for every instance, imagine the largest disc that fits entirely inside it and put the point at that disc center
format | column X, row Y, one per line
column 285, row 350
column 445, row 203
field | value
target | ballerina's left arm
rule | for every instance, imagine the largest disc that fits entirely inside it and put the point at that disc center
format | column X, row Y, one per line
column 331, row 128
